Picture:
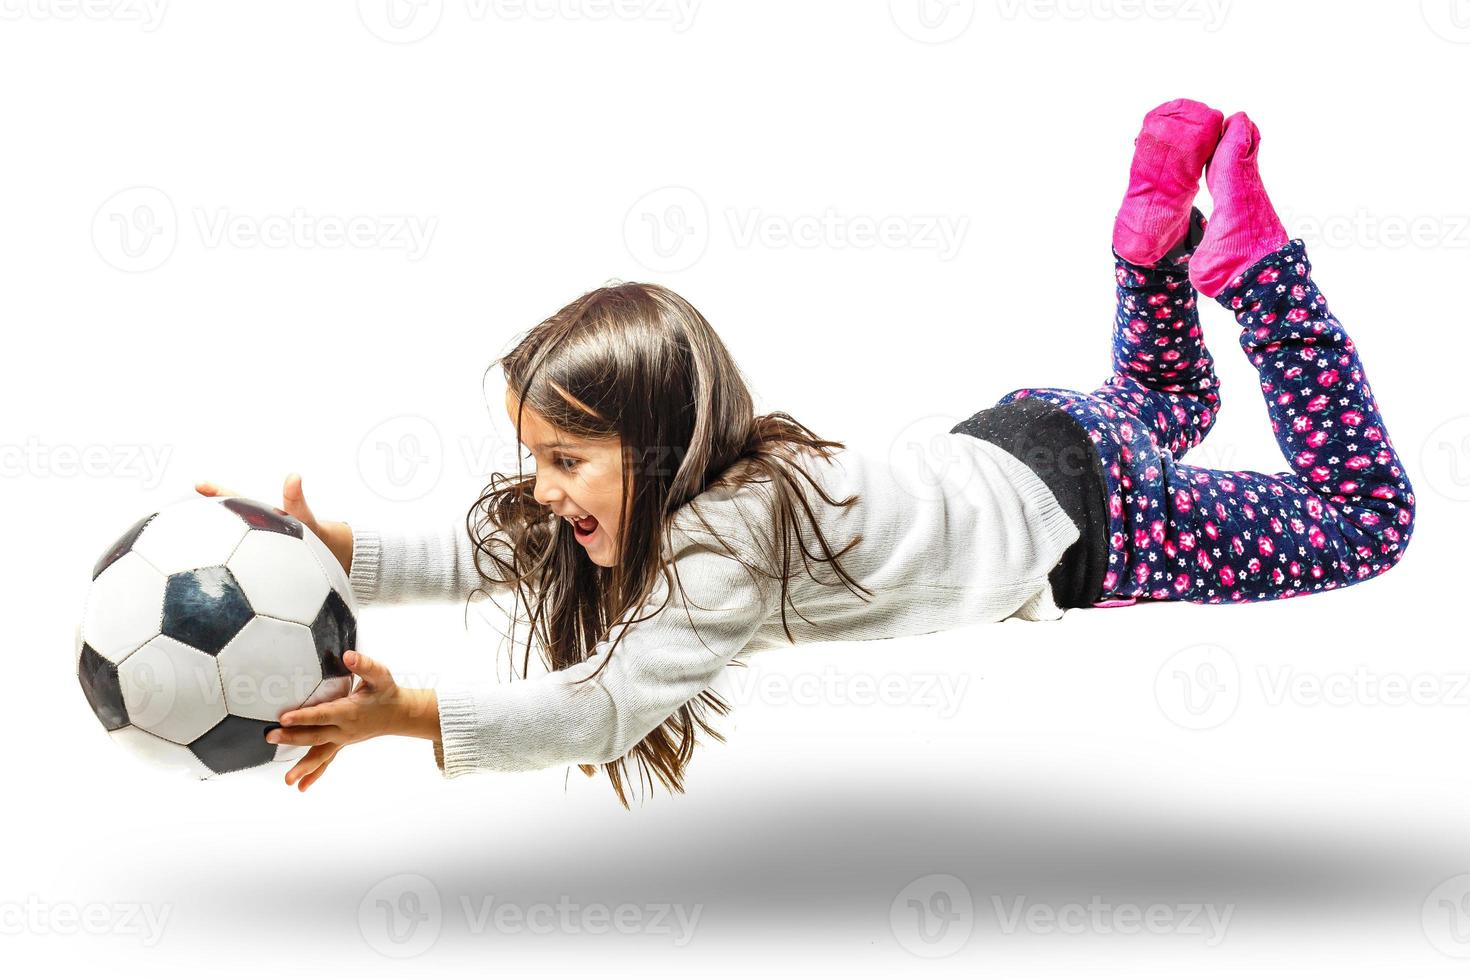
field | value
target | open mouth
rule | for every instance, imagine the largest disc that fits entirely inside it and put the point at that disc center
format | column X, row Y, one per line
column 585, row 528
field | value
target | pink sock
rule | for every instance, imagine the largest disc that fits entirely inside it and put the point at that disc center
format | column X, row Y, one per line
column 1170, row 153
column 1244, row 227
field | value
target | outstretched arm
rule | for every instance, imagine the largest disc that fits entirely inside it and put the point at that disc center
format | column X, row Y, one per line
column 567, row 716
column 418, row 564
column 658, row 667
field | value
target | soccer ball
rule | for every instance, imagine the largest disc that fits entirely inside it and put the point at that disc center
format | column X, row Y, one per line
column 203, row 623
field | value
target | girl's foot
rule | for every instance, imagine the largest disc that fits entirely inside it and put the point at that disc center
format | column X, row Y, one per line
column 1170, row 153
column 1244, row 227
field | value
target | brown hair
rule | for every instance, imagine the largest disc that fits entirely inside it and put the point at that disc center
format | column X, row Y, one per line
column 640, row 363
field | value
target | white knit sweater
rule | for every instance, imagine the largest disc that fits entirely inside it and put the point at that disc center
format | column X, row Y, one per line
column 961, row 532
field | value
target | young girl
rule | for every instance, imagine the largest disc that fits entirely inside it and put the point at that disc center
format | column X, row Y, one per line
column 655, row 479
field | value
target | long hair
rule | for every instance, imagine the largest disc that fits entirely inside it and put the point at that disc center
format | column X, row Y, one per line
column 637, row 361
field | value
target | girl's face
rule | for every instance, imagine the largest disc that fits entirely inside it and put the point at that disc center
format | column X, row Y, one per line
column 576, row 478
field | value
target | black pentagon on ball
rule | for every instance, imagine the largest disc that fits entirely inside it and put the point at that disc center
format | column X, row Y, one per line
column 98, row 677
column 121, row 546
column 204, row 608
column 335, row 632
column 235, row 743
column 264, row 518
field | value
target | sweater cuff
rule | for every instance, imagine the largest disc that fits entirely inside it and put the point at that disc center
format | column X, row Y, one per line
column 1053, row 523
column 367, row 554
column 456, row 751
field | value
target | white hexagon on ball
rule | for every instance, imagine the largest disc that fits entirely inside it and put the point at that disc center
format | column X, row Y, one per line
column 161, row 752
column 190, row 534
column 269, row 667
column 124, row 608
column 172, row 690
column 280, row 576
column 333, row 570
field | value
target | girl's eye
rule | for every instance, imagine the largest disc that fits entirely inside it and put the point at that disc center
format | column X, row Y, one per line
column 567, row 459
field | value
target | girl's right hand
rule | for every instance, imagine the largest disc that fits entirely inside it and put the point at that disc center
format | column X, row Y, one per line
column 336, row 535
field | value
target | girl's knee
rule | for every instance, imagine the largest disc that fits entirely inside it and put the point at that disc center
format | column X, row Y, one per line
column 1386, row 529
column 1206, row 409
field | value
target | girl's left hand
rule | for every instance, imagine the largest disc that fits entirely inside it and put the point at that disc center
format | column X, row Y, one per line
column 373, row 708
column 311, row 765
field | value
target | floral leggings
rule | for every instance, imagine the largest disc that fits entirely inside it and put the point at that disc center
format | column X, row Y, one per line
column 1341, row 514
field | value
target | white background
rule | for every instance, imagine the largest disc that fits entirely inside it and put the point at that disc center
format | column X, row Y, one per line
column 176, row 308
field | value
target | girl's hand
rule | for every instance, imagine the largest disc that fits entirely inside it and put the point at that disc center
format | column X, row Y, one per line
column 309, row 767
column 336, row 535
column 376, row 706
